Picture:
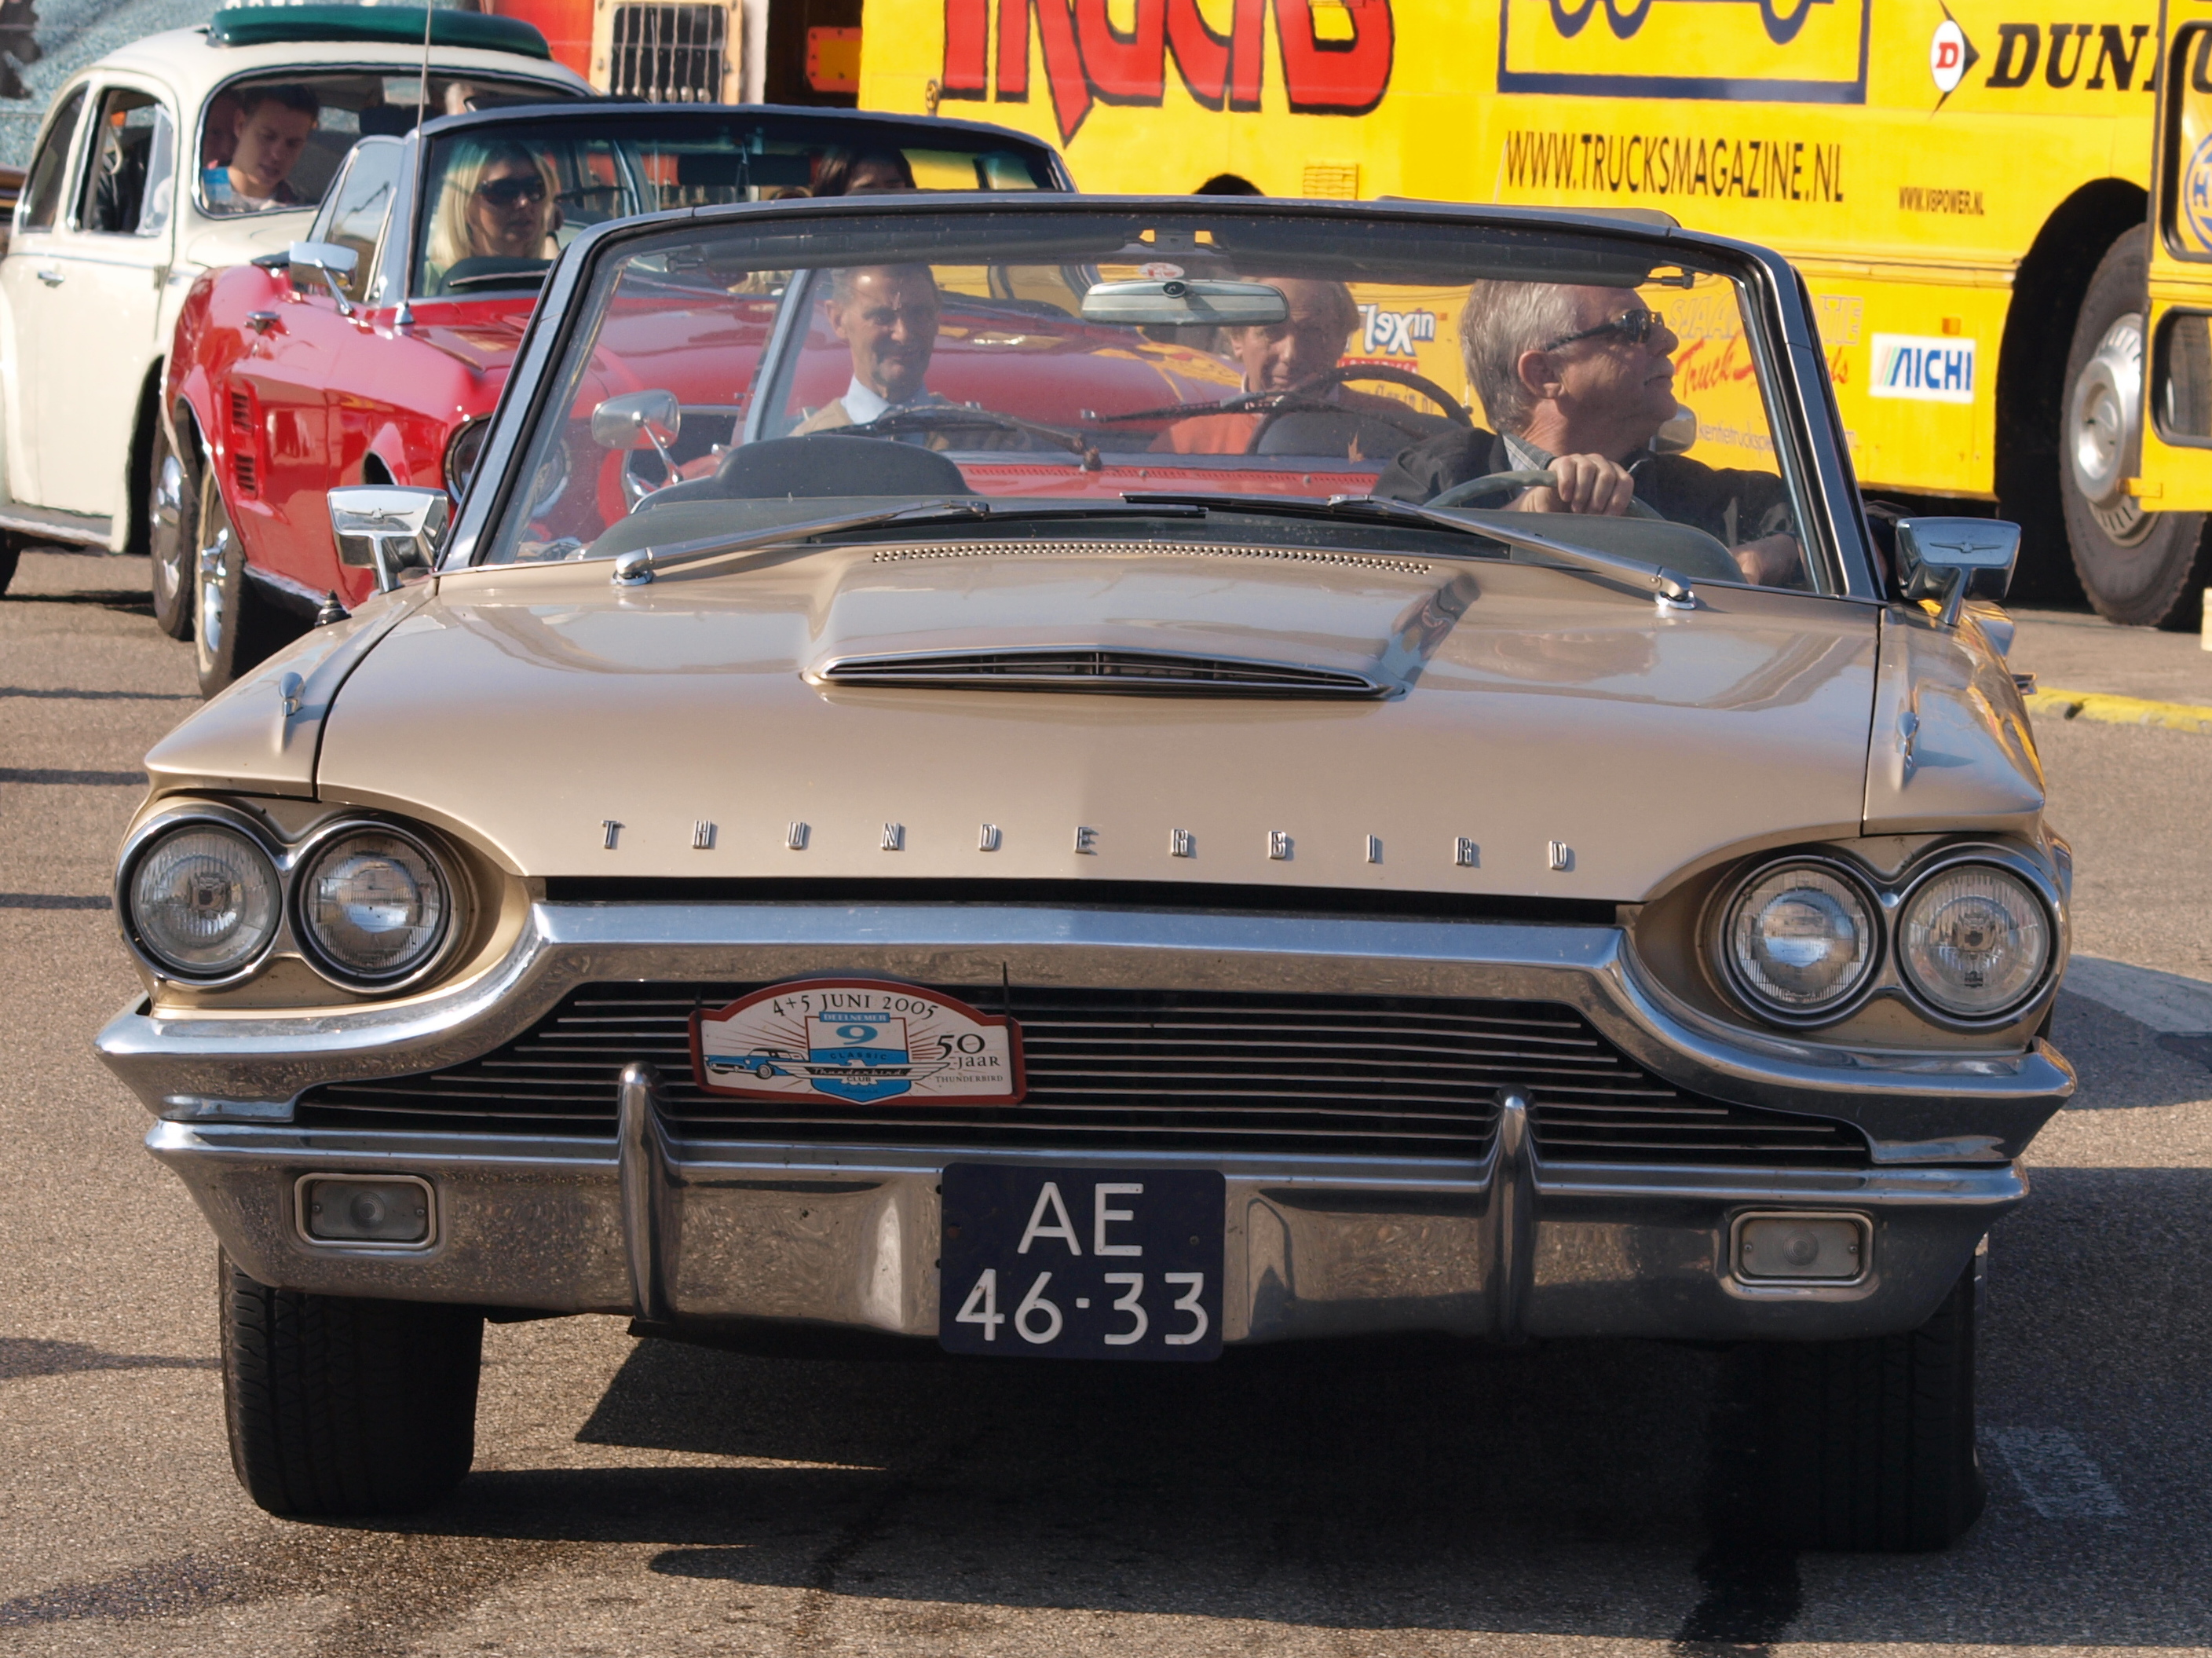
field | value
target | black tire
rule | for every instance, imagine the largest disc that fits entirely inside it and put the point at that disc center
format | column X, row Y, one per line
column 1869, row 1445
column 2142, row 569
column 11, row 549
column 231, row 627
column 337, row 1406
column 172, row 519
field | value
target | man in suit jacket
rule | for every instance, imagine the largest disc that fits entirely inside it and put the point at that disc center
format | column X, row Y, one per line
column 1578, row 381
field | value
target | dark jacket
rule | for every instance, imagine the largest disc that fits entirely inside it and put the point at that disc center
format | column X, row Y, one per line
column 1732, row 507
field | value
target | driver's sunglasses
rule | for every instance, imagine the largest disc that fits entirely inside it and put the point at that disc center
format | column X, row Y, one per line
column 1635, row 326
column 506, row 192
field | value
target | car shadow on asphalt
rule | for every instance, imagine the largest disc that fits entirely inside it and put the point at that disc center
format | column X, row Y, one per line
column 1572, row 1487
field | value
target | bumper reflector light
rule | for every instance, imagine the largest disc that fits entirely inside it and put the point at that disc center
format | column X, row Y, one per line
column 394, row 1209
column 1826, row 1248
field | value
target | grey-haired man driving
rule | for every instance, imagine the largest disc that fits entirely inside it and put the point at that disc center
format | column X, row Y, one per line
column 1579, row 380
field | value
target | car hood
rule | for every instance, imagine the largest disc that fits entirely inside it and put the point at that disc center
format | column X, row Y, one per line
column 1545, row 719
column 481, row 337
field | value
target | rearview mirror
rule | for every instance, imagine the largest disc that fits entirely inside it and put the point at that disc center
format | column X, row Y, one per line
column 1955, row 559
column 1186, row 302
column 390, row 528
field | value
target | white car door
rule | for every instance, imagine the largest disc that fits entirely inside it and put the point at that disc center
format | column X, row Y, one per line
column 27, row 291
column 110, row 255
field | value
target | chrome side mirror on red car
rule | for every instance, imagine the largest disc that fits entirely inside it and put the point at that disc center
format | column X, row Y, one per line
column 640, row 420
column 391, row 529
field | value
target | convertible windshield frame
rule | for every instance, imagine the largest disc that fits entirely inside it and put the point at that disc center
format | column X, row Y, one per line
column 408, row 235
column 1805, row 430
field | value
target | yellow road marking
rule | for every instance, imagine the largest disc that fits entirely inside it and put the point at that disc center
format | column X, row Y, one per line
column 2109, row 710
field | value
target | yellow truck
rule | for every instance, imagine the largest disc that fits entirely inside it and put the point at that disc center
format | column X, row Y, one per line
column 1965, row 185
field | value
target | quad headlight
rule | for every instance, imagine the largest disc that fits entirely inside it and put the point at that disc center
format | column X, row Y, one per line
column 1800, row 939
column 1974, row 940
column 208, row 895
column 202, row 900
column 372, row 903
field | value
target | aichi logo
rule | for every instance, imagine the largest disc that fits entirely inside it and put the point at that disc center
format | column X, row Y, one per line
column 1927, row 371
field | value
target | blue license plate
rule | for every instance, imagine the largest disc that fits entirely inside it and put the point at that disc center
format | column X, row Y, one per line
column 1081, row 1263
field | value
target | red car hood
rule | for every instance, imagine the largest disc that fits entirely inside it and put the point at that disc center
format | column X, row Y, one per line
column 482, row 342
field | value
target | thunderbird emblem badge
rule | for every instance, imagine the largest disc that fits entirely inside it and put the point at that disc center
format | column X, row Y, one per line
column 857, row 1040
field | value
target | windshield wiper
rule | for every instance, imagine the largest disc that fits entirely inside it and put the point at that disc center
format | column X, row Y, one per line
column 1670, row 585
column 641, row 564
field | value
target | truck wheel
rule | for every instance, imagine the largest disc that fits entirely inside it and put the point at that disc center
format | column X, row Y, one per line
column 2140, row 568
column 337, row 1406
column 173, row 518
column 1870, row 1444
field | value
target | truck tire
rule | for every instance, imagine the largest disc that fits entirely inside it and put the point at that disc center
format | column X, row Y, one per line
column 11, row 549
column 173, row 518
column 338, row 1406
column 1869, row 1444
column 2142, row 568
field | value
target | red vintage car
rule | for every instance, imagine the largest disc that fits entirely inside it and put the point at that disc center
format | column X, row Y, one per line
column 375, row 351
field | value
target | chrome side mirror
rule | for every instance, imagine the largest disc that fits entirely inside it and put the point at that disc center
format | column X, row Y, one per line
column 390, row 528
column 1955, row 559
column 640, row 420
column 333, row 263
column 1679, row 435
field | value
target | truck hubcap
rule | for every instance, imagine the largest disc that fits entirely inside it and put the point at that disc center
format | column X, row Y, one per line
column 2103, row 430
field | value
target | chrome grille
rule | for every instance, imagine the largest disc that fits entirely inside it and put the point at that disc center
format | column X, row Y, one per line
column 1138, row 1070
column 1127, row 672
column 669, row 54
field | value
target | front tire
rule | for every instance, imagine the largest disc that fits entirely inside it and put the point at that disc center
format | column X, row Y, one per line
column 337, row 1406
column 2138, row 567
column 1869, row 1444
column 173, row 518
column 230, row 631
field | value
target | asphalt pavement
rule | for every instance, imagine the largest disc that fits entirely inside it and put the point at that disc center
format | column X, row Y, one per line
column 642, row 1497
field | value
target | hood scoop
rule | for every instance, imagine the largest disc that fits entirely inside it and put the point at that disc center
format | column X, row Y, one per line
column 1115, row 672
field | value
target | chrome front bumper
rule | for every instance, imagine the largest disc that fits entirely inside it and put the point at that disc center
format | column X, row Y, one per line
column 675, row 1230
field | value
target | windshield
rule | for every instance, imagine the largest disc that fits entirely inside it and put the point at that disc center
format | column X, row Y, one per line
column 726, row 379
column 499, row 203
column 272, row 142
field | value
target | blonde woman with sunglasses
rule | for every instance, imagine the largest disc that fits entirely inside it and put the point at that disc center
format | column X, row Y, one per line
column 499, row 201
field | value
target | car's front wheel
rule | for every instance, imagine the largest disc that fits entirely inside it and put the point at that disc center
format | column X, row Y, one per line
column 173, row 518
column 230, row 633
column 1869, row 1444
column 340, row 1406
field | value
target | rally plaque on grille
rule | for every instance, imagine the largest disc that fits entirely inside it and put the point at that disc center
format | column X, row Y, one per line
column 860, row 1041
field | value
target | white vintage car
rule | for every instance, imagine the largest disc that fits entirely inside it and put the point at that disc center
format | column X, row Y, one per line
column 137, row 184
column 1053, row 813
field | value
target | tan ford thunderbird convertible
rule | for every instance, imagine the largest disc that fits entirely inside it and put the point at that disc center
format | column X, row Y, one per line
column 1144, row 776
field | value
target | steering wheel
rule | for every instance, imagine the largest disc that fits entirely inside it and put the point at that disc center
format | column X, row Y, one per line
column 1512, row 483
column 1305, row 398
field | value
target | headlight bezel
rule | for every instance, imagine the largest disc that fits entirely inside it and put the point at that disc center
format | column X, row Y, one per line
column 305, row 855
column 1889, row 892
column 291, row 856
column 143, row 841
column 1721, row 951
column 2040, row 890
